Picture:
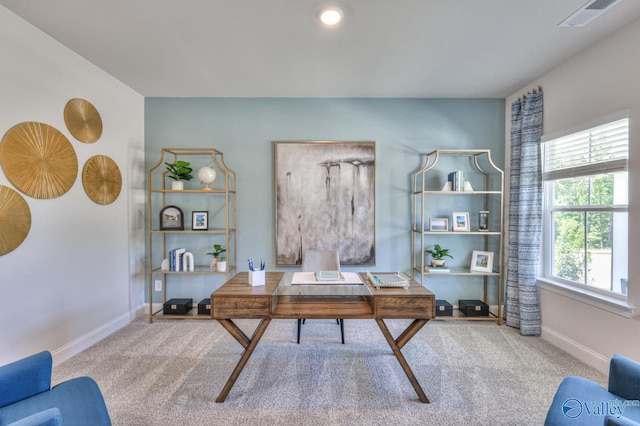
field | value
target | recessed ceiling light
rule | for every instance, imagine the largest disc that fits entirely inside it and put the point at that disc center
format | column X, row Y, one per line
column 330, row 16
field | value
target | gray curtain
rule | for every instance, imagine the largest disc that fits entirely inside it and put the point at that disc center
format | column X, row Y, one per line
column 522, row 307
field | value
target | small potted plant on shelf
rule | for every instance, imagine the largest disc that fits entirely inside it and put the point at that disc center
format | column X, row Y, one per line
column 218, row 263
column 179, row 171
column 437, row 256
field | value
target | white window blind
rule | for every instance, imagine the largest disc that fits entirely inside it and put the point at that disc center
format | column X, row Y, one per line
column 602, row 149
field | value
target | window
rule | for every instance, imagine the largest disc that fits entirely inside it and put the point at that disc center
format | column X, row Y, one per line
column 586, row 208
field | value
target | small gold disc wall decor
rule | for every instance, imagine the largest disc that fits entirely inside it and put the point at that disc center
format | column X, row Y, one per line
column 83, row 120
column 38, row 160
column 15, row 219
column 101, row 179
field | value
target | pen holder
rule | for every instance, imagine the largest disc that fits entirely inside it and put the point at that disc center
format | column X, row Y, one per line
column 256, row 278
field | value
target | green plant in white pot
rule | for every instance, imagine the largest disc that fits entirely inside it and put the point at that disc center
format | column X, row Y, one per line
column 179, row 171
column 437, row 256
column 219, row 262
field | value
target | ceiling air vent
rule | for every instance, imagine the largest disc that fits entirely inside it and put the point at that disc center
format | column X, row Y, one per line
column 587, row 13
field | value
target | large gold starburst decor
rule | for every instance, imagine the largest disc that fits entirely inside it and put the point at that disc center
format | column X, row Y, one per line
column 38, row 160
column 83, row 120
column 15, row 219
column 101, row 179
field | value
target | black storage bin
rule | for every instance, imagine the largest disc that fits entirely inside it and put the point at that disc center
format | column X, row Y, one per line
column 443, row 308
column 204, row 307
column 177, row 306
column 473, row 308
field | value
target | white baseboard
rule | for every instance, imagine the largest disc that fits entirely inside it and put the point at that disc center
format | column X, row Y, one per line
column 583, row 353
column 83, row 342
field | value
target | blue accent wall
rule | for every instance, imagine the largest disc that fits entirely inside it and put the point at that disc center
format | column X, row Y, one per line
column 244, row 129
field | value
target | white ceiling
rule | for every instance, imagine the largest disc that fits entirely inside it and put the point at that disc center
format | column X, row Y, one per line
column 276, row 48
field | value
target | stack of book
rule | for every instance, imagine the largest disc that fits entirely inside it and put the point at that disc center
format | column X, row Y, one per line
column 176, row 259
column 457, row 180
column 437, row 269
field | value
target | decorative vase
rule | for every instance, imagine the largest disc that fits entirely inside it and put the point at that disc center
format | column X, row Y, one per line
column 222, row 266
column 214, row 262
column 177, row 185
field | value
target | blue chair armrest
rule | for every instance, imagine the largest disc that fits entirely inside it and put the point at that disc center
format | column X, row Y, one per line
column 24, row 378
column 624, row 377
column 620, row 421
column 50, row 417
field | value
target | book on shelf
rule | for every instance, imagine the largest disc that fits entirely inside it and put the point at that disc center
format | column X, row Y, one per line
column 329, row 276
column 457, row 180
column 437, row 269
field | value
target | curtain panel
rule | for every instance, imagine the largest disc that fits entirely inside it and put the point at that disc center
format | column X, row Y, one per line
column 522, row 307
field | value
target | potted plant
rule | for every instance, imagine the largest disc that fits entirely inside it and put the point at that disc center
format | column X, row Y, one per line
column 179, row 171
column 218, row 263
column 437, row 255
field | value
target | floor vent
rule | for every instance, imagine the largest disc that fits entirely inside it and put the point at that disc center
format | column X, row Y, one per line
column 587, row 13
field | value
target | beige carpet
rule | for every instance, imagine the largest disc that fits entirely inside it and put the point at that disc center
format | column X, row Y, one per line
column 171, row 371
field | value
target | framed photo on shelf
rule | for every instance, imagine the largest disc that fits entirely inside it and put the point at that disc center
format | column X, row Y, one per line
column 171, row 218
column 438, row 224
column 199, row 221
column 481, row 261
column 461, row 221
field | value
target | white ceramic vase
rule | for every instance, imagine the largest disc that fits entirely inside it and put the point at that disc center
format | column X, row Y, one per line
column 177, row 185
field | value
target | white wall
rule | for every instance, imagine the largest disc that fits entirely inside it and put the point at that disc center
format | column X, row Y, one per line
column 78, row 276
column 599, row 81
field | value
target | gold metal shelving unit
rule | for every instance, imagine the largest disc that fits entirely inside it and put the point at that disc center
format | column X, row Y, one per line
column 427, row 193
column 220, row 203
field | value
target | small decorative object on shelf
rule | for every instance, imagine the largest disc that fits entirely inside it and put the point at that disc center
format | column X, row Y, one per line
column 218, row 263
column 481, row 261
column 207, row 176
column 199, row 221
column 437, row 256
column 179, row 171
column 171, row 218
column 483, row 220
column 438, row 224
column 461, row 221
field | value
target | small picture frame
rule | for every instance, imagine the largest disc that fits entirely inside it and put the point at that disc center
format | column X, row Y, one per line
column 461, row 221
column 199, row 221
column 171, row 218
column 438, row 224
column 481, row 261
column 483, row 220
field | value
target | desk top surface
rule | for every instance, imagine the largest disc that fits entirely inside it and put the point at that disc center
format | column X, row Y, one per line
column 238, row 285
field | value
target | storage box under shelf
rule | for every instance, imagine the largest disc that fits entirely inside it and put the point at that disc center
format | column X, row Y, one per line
column 473, row 308
column 177, row 306
column 443, row 308
column 204, row 307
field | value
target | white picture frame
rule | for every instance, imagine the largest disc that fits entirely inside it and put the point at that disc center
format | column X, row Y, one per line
column 439, row 224
column 460, row 222
column 481, row 261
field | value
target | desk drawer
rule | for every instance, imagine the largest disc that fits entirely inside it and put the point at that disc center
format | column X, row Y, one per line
column 405, row 307
column 240, row 307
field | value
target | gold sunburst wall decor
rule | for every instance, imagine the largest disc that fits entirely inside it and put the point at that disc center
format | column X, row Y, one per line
column 15, row 219
column 38, row 160
column 83, row 120
column 101, row 179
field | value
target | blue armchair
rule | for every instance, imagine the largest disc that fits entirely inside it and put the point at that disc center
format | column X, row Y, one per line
column 579, row 401
column 27, row 398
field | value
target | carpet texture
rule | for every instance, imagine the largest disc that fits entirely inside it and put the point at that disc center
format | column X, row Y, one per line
column 170, row 373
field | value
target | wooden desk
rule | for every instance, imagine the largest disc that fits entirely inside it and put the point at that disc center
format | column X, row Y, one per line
column 237, row 299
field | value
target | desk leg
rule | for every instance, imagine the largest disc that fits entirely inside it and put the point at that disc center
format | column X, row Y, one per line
column 397, row 344
column 248, row 344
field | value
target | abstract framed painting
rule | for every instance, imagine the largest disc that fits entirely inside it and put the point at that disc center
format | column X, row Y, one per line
column 325, row 199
